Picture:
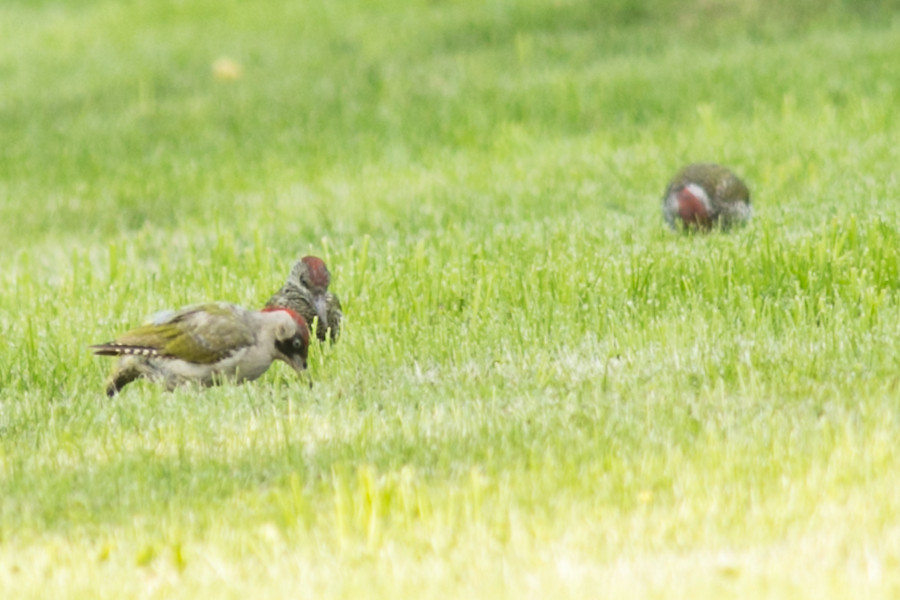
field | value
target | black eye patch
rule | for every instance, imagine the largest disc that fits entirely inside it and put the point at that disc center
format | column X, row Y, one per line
column 290, row 347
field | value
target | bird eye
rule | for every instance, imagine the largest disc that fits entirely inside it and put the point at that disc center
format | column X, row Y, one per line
column 298, row 344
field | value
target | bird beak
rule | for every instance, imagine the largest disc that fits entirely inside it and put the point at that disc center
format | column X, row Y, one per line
column 321, row 311
column 298, row 363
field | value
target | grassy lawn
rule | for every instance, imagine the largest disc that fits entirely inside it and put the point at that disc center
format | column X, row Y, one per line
column 539, row 391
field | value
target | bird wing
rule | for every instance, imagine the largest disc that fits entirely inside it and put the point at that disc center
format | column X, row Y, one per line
column 732, row 189
column 201, row 334
column 334, row 314
column 334, row 304
column 296, row 297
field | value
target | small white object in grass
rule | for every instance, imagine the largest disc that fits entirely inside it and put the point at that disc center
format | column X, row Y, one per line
column 226, row 69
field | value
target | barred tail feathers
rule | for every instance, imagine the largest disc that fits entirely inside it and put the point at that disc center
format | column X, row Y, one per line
column 114, row 349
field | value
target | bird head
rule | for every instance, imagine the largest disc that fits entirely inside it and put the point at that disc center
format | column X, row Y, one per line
column 693, row 206
column 291, row 338
column 311, row 273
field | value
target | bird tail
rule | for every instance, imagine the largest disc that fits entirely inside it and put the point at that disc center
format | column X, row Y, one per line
column 128, row 367
column 115, row 349
column 107, row 349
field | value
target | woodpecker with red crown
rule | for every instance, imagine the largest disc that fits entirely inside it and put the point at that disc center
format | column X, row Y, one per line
column 306, row 293
column 207, row 344
column 703, row 196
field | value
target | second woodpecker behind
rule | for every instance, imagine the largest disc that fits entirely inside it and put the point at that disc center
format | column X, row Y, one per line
column 306, row 293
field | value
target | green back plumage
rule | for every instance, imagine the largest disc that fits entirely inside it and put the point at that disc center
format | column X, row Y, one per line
column 720, row 182
column 201, row 334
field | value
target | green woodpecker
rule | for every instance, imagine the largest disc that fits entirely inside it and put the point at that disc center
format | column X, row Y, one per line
column 207, row 344
column 704, row 195
column 306, row 293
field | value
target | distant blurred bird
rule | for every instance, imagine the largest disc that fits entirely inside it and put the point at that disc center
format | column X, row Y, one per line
column 703, row 195
column 207, row 344
column 306, row 293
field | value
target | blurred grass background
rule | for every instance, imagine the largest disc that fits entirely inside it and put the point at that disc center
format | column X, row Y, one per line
column 539, row 388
